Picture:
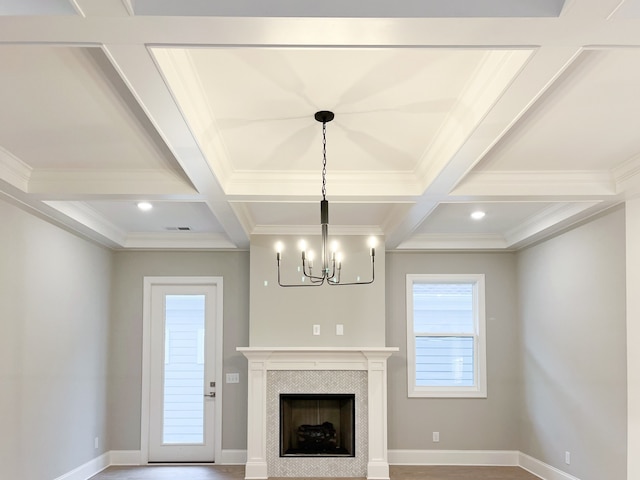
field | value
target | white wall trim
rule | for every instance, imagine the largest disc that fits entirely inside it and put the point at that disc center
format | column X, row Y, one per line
column 87, row 470
column 541, row 469
column 134, row 457
column 507, row 458
column 454, row 457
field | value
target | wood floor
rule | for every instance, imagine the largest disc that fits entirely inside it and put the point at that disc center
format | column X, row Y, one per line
column 220, row 472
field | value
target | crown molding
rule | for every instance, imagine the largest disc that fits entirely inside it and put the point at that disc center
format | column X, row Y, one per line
column 113, row 182
column 89, row 218
column 128, row 5
column 178, row 241
column 549, row 220
column 242, row 213
column 310, row 230
column 548, row 183
column 436, row 241
column 627, row 175
column 14, row 171
column 251, row 183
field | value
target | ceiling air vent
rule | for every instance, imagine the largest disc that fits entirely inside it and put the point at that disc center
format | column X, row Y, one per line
column 179, row 229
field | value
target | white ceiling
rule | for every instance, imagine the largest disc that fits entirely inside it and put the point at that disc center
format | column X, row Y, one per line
column 525, row 109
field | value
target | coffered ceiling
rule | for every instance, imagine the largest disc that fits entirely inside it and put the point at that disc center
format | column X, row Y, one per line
column 527, row 110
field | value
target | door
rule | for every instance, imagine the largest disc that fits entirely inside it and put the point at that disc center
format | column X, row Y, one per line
column 182, row 383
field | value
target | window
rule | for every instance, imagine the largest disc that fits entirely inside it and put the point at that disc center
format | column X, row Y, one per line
column 446, row 336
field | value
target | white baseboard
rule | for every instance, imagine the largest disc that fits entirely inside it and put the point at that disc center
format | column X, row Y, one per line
column 478, row 457
column 396, row 457
column 133, row 457
column 453, row 457
column 542, row 470
column 88, row 469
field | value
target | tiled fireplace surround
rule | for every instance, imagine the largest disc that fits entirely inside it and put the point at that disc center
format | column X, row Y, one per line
column 362, row 371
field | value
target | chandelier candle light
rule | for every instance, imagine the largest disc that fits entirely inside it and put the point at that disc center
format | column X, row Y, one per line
column 331, row 258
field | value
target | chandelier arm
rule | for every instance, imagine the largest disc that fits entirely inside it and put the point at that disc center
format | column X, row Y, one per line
column 309, row 274
column 297, row 284
column 334, row 271
column 369, row 282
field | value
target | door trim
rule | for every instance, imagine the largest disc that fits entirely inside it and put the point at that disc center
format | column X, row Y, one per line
column 149, row 282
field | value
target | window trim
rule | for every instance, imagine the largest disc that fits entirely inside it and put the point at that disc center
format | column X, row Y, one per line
column 479, row 390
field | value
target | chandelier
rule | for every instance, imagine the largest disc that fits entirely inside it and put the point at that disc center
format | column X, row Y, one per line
column 331, row 259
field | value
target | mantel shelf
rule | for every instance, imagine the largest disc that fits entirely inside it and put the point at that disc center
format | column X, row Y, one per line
column 317, row 349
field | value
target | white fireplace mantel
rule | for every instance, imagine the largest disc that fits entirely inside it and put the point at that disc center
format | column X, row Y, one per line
column 369, row 359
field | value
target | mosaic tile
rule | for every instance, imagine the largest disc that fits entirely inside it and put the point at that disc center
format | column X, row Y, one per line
column 317, row 381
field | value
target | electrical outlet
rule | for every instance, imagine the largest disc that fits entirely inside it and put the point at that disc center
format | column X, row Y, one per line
column 436, row 437
column 233, row 378
column 316, row 329
column 339, row 329
column 567, row 458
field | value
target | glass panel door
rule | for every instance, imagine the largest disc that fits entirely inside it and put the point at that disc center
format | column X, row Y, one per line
column 183, row 403
column 182, row 386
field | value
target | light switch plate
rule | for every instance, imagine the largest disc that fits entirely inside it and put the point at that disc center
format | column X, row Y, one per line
column 233, row 378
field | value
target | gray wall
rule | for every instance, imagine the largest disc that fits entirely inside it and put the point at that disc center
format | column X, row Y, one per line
column 71, row 338
column 284, row 317
column 478, row 424
column 54, row 313
column 572, row 310
column 125, row 361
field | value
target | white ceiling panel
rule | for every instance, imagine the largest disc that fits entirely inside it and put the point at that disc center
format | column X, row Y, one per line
column 455, row 218
column 163, row 217
column 628, row 9
column 78, row 115
column 262, row 102
column 587, row 121
column 527, row 109
column 37, row 7
column 252, row 109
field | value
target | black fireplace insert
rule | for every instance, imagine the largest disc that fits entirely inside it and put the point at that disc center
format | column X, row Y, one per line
column 318, row 425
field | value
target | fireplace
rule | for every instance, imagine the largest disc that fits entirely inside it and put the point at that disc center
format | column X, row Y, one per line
column 317, row 425
column 360, row 372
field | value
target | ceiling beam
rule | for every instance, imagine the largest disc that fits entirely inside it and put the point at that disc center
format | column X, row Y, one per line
column 139, row 72
column 545, row 66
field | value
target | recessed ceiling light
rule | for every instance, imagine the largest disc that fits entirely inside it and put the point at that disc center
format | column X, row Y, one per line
column 145, row 206
column 477, row 215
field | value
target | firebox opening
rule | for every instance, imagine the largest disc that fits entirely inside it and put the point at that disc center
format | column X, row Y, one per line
column 318, row 425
